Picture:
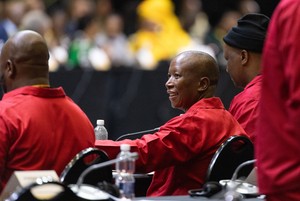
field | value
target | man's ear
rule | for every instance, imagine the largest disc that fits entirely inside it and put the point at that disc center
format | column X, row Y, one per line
column 204, row 84
column 244, row 57
column 10, row 69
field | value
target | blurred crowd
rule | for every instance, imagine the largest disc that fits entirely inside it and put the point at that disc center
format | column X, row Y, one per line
column 96, row 34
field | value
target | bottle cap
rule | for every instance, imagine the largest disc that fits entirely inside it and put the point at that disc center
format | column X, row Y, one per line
column 125, row 147
column 100, row 122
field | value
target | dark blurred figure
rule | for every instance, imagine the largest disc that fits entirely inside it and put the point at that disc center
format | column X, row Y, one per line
column 104, row 8
column 114, row 42
column 14, row 10
column 76, row 10
column 214, row 38
column 83, row 50
column 3, row 36
column 58, row 40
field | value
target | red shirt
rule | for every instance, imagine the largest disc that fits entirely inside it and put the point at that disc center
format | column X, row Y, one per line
column 244, row 106
column 40, row 129
column 181, row 150
column 278, row 136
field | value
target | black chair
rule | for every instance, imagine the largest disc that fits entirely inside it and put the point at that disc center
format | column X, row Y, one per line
column 82, row 161
column 25, row 194
column 233, row 152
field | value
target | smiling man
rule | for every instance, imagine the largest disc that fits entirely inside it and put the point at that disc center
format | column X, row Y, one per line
column 182, row 149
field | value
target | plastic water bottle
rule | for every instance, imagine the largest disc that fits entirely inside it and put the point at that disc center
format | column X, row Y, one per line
column 100, row 130
column 125, row 169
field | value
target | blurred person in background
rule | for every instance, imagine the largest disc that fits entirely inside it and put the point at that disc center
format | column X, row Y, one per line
column 243, row 52
column 194, row 20
column 1, row 9
column 114, row 42
column 58, row 40
column 214, row 38
column 83, row 50
column 195, row 23
column 39, row 21
column 104, row 8
column 159, row 35
column 35, row 5
column 3, row 36
column 248, row 6
column 14, row 11
column 76, row 10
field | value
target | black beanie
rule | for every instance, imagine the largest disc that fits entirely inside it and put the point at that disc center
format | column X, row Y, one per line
column 250, row 32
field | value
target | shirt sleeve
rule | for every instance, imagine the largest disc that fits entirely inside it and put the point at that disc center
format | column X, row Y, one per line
column 177, row 141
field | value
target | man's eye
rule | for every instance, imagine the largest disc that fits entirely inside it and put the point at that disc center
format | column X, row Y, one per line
column 177, row 76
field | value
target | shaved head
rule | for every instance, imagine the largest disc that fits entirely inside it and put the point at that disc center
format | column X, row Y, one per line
column 193, row 75
column 200, row 64
column 24, row 60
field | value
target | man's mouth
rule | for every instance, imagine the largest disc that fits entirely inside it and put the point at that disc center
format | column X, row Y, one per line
column 172, row 94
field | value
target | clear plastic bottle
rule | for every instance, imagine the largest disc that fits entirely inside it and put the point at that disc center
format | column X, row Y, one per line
column 100, row 130
column 125, row 169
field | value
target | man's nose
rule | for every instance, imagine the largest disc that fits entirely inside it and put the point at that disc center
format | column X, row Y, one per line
column 169, row 83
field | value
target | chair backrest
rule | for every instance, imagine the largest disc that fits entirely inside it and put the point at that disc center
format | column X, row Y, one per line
column 25, row 194
column 234, row 151
column 82, row 161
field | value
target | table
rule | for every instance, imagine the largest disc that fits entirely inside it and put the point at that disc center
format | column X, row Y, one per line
column 186, row 198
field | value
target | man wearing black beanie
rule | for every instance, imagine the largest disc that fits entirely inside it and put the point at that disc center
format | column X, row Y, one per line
column 243, row 50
